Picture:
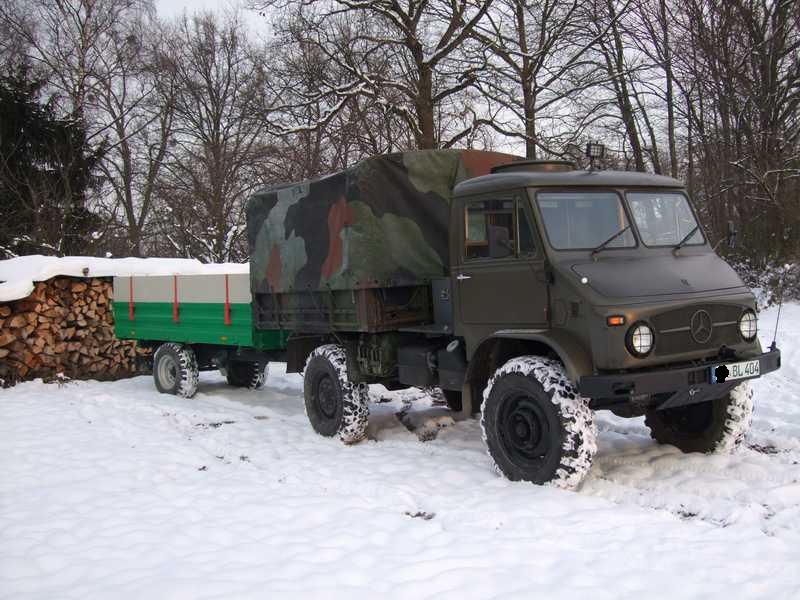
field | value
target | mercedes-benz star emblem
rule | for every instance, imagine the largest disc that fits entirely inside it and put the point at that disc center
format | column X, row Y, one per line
column 701, row 326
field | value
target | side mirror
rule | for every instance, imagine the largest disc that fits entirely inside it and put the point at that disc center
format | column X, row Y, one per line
column 499, row 242
column 732, row 233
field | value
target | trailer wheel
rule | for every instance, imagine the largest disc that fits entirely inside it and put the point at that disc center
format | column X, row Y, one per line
column 334, row 406
column 175, row 370
column 536, row 426
column 249, row 374
column 453, row 399
column 715, row 426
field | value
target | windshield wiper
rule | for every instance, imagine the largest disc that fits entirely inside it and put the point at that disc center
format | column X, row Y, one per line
column 609, row 240
column 685, row 240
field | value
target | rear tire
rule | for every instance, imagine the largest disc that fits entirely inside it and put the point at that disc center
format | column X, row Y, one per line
column 536, row 426
column 175, row 370
column 714, row 426
column 334, row 406
column 247, row 374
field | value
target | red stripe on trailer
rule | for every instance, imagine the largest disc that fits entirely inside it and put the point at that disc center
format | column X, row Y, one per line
column 227, row 304
column 175, row 314
column 130, row 299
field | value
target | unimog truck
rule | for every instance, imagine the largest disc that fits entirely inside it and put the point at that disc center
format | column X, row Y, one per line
column 529, row 292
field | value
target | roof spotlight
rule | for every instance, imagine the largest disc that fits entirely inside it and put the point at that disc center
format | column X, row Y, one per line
column 594, row 151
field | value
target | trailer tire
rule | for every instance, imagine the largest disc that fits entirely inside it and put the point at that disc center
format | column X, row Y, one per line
column 714, row 426
column 453, row 400
column 175, row 370
column 247, row 374
column 333, row 405
column 536, row 426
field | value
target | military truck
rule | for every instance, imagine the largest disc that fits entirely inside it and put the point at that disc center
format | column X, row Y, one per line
column 530, row 292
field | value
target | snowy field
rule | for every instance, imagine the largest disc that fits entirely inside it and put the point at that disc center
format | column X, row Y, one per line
column 112, row 491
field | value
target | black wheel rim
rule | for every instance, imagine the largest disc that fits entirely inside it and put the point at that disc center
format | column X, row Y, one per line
column 326, row 398
column 524, row 430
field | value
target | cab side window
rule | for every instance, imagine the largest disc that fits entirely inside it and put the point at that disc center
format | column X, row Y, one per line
column 490, row 228
column 497, row 228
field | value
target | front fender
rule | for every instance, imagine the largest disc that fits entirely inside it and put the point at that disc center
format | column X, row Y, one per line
column 577, row 361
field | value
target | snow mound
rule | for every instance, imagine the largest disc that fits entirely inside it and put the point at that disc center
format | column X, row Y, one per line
column 18, row 275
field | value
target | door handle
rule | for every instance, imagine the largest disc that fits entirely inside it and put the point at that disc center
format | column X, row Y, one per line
column 462, row 277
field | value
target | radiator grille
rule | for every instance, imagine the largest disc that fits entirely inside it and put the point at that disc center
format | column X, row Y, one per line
column 673, row 332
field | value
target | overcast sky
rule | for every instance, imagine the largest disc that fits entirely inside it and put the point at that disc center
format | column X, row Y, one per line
column 173, row 8
column 176, row 7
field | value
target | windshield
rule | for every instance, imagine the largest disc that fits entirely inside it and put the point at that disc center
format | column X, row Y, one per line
column 663, row 218
column 577, row 220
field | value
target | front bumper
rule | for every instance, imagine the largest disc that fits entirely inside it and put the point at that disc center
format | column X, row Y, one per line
column 687, row 385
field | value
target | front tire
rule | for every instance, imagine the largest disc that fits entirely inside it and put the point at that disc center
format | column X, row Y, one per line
column 536, row 426
column 714, row 426
column 334, row 406
column 175, row 370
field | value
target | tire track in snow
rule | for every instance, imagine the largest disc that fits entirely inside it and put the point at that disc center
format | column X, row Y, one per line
column 746, row 488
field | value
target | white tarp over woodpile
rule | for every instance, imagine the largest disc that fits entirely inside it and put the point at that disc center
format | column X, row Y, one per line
column 18, row 275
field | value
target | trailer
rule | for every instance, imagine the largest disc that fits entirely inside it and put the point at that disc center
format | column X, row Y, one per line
column 195, row 323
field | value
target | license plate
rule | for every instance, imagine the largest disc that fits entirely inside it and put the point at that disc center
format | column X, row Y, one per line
column 740, row 370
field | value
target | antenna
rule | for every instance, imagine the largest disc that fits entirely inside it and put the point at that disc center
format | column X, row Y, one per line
column 773, row 346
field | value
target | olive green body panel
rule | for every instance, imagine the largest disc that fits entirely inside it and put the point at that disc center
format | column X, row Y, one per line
column 365, row 310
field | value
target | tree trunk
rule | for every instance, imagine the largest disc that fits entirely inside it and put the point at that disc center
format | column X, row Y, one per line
column 426, row 137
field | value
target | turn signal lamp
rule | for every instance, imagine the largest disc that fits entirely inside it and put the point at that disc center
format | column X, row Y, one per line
column 615, row 321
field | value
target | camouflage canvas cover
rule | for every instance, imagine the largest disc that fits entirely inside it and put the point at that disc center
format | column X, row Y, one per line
column 381, row 223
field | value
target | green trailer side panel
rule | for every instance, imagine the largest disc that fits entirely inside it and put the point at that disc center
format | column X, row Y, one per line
column 198, row 323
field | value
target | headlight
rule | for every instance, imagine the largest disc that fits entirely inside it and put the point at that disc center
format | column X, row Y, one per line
column 640, row 339
column 748, row 325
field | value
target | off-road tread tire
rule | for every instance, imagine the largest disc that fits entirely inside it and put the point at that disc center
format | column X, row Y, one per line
column 353, row 418
column 548, row 381
column 732, row 415
column 247, row 374
column 187, row 375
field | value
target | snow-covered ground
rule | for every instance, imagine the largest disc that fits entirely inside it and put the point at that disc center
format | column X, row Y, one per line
column 110, row 490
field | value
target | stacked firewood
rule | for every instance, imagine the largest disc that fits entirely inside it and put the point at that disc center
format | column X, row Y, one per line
column 64, row 328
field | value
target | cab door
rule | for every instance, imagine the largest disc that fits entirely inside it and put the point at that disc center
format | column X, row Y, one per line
column 501, row 279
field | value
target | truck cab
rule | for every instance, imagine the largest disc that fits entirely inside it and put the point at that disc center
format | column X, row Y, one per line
column 610, row 275
column 610, row 270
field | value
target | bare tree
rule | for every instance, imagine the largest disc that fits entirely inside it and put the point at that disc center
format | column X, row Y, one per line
column 211, row 163
column 72, row 43
column 320, row 132
column 611, row 48
column 742, row 79
column 137, row 98
column 654, row 35
column 541, row 64
column 411, row 51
